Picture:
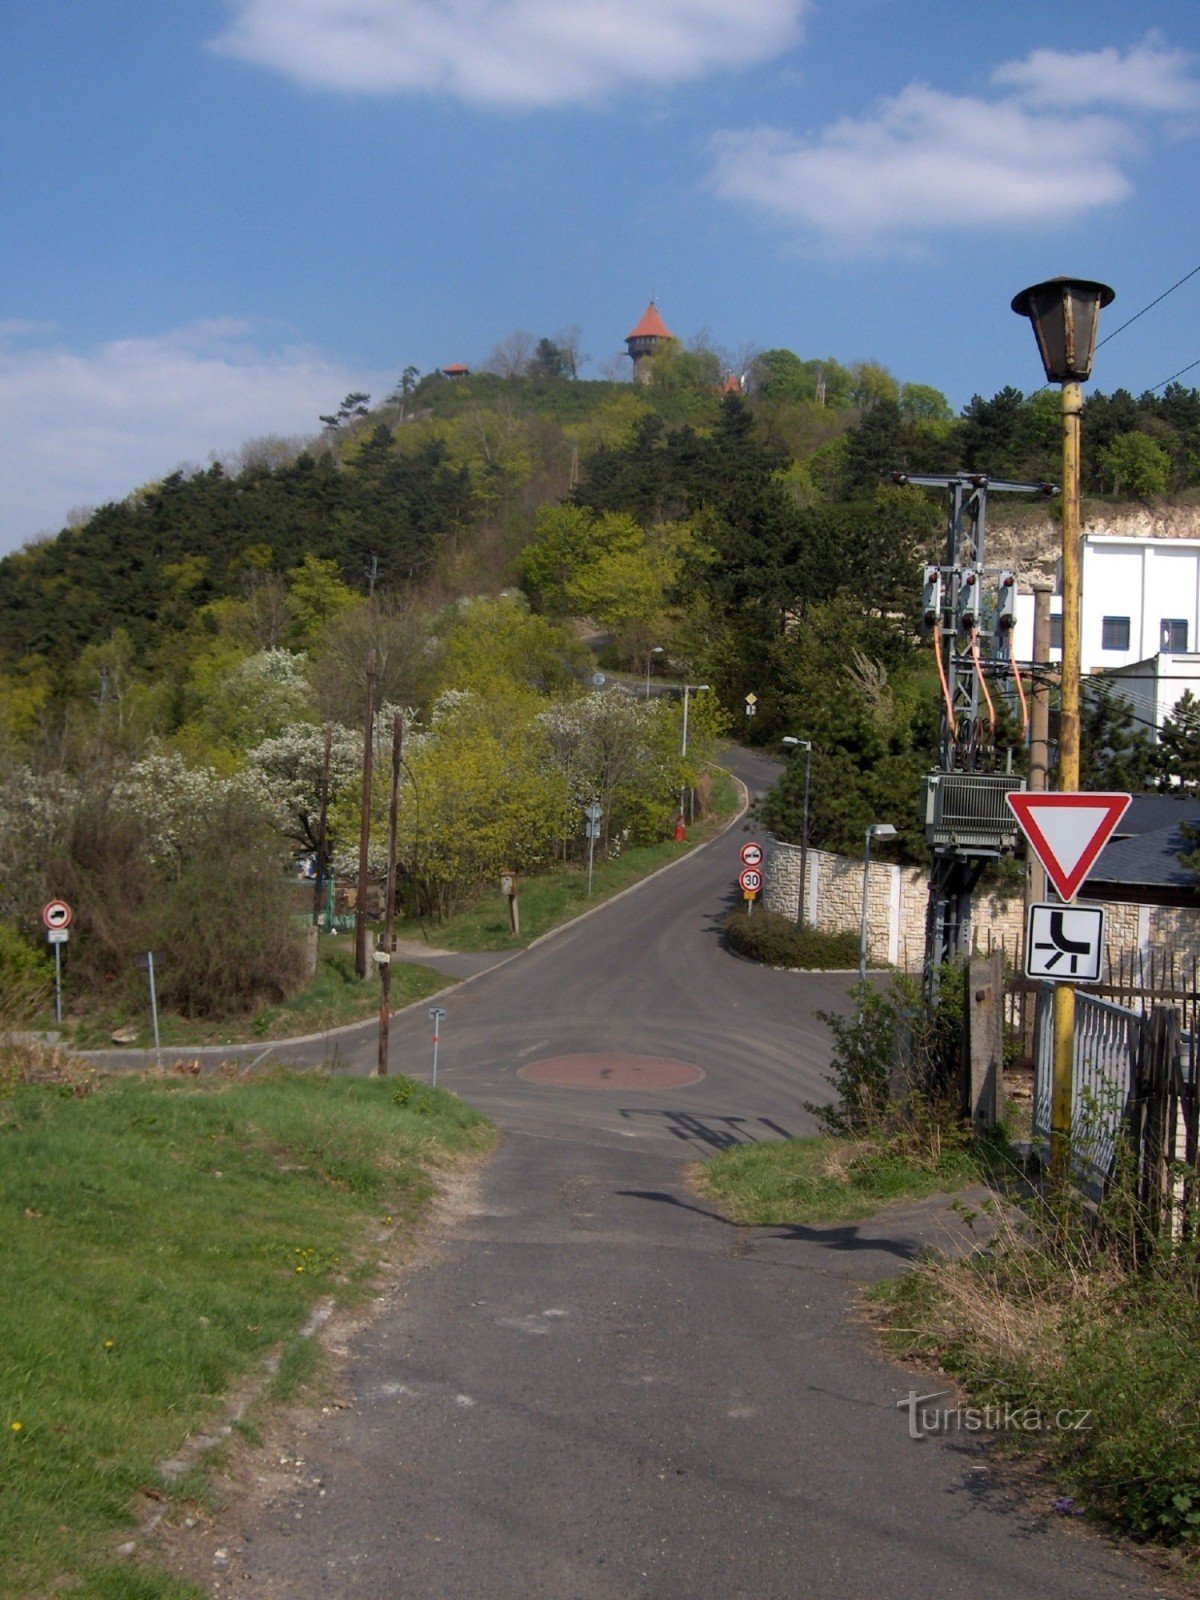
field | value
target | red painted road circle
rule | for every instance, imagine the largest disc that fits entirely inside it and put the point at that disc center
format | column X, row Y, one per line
column 645, row 1073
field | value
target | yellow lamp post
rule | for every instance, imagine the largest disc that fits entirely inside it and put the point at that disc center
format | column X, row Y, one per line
column 1065, row 313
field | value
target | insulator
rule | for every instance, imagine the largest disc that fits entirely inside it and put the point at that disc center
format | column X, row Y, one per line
column 1006, row 603
column 932, row 600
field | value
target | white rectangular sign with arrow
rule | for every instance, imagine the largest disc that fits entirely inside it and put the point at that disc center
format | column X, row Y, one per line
column 1065, row 942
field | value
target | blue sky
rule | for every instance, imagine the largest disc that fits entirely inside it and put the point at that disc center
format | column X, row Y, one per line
column 215, row 219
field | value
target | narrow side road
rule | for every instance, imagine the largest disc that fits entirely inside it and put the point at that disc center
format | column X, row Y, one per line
column 597, row 1388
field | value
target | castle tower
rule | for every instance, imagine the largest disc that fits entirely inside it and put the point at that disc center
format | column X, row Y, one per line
column 650, row 335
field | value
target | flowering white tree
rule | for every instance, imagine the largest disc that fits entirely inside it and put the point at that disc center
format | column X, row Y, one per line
column 286, row 771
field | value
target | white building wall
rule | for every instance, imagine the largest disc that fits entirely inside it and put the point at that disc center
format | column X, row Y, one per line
column 1146, row 581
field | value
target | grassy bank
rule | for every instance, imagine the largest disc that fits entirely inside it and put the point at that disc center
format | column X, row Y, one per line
column 334, row 997
column 823, row 1179
column 1100, row 1358
column 162, row 1237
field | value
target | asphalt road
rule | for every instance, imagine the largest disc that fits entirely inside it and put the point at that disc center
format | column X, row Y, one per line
column 596, row 1388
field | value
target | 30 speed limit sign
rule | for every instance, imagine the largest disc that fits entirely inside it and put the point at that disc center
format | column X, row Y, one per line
column 56, row 914
column 750, row 880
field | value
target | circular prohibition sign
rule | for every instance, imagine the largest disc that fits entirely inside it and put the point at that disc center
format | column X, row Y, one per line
column 751, row 880
column 57, row 914
column 751, row 855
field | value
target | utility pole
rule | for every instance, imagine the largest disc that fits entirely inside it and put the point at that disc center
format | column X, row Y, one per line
column 364, row 835
column 1039, row 728
column 967, row 612
column 322, row 869
column 389, row 908
column 1065, row 314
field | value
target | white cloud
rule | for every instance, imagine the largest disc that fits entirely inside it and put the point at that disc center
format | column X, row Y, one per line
column 1149, row 77
column 82, row 428
column 927, row 162
column 517, row 53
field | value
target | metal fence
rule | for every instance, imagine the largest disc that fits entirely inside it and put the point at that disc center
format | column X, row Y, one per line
column 1107, row 1038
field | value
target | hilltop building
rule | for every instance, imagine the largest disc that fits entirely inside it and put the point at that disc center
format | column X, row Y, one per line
column 650, row 335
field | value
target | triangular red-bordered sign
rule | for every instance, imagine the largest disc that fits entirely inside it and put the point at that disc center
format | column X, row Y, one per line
column 1067, row 831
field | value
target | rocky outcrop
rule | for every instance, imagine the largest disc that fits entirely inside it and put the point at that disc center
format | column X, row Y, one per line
column 1032, row 546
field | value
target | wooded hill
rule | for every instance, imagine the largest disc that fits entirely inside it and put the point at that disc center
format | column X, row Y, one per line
column 443, row 483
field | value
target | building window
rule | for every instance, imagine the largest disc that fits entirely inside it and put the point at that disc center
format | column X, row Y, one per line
column 1056, row 630
column 1174, row 640
column 1114, row 633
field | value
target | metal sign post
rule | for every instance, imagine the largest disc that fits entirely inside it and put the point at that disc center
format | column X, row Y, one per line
column 593, row 813
column 57, row 937
column 147, row 963
column 438, row 1016
column 750, row 879
column 56, row 917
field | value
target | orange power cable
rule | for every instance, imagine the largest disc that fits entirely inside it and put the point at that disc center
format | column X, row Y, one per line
column 1021, row 697
column 974, row 637
column 937, row 651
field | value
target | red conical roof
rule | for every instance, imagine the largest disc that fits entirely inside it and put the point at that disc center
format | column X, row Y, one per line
column 651, row 326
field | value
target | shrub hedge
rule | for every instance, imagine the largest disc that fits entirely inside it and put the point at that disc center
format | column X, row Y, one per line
column 766, row 936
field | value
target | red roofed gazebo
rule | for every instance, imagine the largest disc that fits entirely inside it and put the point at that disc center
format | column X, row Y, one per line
column 650, row 335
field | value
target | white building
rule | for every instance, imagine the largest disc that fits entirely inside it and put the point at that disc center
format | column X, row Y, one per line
column 1139, row 620
column 1140, row 598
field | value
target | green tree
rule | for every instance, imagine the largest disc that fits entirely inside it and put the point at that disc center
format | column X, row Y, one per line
column 1115, row 753
column 1177, row 756
column 487, row 642
column 1133, row 464
column 317, row 595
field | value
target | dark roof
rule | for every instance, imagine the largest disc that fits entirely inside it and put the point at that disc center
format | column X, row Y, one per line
column 1147, row 844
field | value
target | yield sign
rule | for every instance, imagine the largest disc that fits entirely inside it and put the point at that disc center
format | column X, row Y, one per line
column 1067, row 831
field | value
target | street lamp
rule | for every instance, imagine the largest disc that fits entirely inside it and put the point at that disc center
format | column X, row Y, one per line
column 877, row 830
column 1065, row 313
column 806, row 746
column 655, row 650
column 688, row 689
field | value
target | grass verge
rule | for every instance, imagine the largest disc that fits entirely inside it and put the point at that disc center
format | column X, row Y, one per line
column 162, row 1237
column 824, row 1179
column 1098, row 1359
column 554, row 897
column 334, row 997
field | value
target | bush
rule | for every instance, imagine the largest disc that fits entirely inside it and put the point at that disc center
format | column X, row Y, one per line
column 767, row 936
column 895, row 1058
column 25, row 978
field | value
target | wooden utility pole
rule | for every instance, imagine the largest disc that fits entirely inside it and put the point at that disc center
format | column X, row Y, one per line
column 322, row 865
column 1068, row 764
column 389, row 907
column 361, row 962
column 1039, row 727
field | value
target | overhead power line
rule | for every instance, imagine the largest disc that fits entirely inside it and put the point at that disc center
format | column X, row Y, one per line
column 1174, row 375
column 1150, row 307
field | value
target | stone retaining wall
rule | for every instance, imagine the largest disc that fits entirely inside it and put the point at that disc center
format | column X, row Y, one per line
column 896, row 898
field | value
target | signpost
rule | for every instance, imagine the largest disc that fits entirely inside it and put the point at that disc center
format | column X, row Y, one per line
column 750, row 879
column 593, row 813
column 751, row 705
column 1067, row 831
column 56, row 915
column 146, row 963
column 438, row 1016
